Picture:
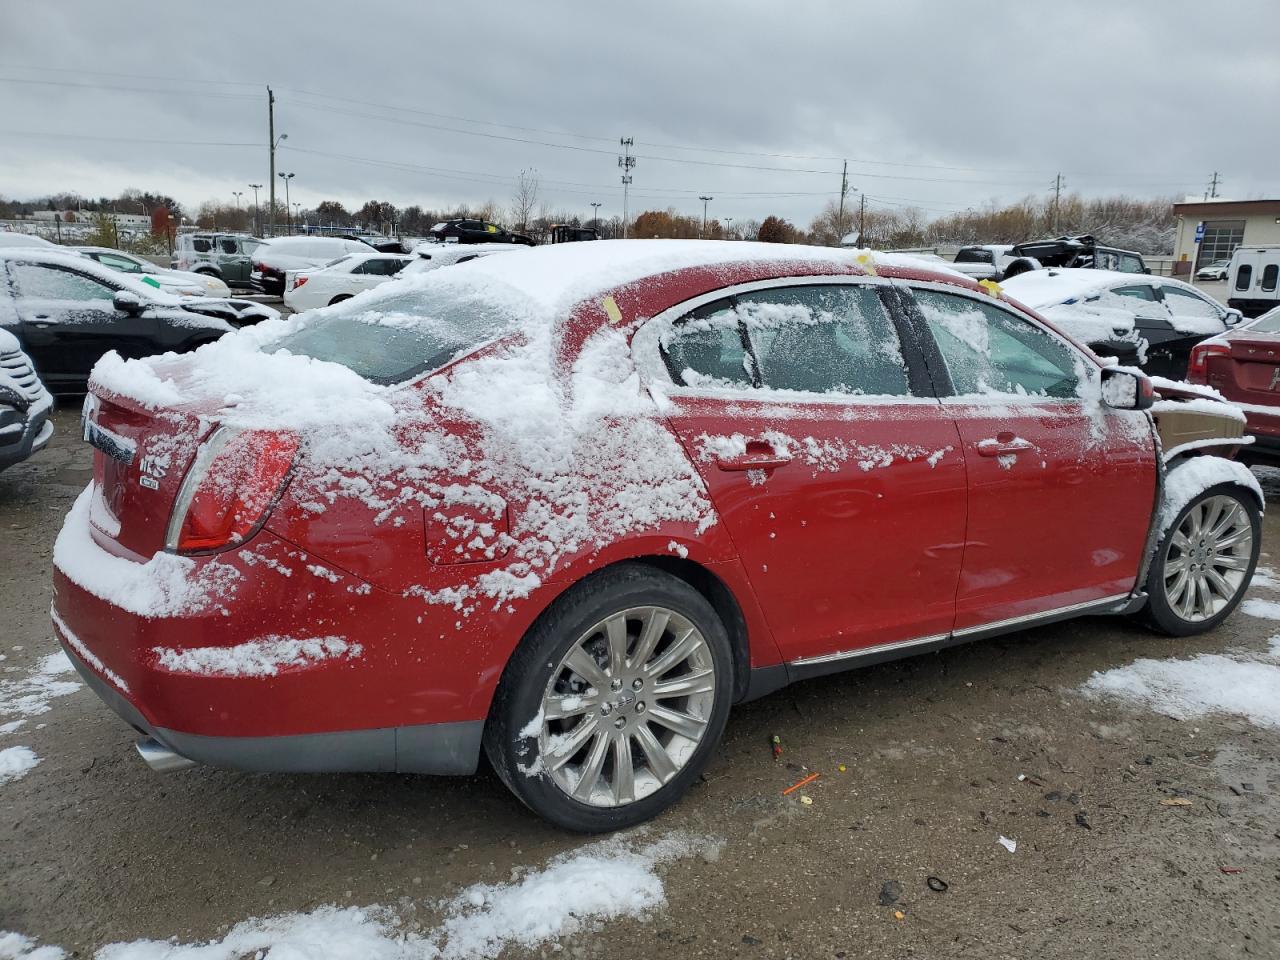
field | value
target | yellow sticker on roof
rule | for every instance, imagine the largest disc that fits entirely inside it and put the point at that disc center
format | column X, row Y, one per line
column 611, row 310
column 991, row 287
column 868, row 263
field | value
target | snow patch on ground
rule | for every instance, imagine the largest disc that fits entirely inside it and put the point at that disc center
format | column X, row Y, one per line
column 29, row 696
column 16, row 763
column 574, row 893
column 1262, row 609
column 257, row 658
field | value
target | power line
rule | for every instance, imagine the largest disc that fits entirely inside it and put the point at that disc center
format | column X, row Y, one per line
column 112, row 86
column 84, row 136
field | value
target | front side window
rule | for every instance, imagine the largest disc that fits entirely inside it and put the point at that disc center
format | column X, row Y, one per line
column 974, row 255
column 201, row 244
column 116, row 262
column 56, row 283
column 228, row 245
column 987, row 350
column 824, row 339
column 1130, row 264
column 1139, row 291
column 1187, row 304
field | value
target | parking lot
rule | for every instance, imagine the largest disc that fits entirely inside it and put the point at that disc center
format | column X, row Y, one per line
column 925, row 764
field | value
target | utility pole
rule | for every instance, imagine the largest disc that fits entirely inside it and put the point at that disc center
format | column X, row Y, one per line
column 1057, row 200
column 271, row 141
column 626, row 162
column 286, row 177
column 255, row 187
column 1212, row 192
column 705, row 201
column 595, row 215
column 844, row 189
column 862, row 218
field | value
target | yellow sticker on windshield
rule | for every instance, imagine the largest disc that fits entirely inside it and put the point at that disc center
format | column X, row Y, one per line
column 611, row 310
column 991, row 287
column 868, row 264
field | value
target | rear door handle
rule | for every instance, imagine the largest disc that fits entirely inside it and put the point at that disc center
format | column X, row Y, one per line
column 758, row 456
column 1003, row 444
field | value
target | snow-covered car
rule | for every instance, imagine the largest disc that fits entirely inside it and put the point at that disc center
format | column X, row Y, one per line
column 986, row 261
column 1217, row 270
column 568, row 506
column 341, row 279
column 181, row 283
column 25, row 426
column 9, row 239
column 274, row 260
column 432, row 256
column 67, row 311
column 226, row 256
column 1144, row 321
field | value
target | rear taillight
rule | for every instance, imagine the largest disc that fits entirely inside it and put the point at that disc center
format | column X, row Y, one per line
column 298, row 281
column 229, row 490
column 1198, row 364
column 260, row 267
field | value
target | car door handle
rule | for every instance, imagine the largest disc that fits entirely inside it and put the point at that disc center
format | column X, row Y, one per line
column 759, row 456
column 1002, row 445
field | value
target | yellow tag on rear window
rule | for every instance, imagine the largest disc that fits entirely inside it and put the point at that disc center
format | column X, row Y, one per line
column 611, row 310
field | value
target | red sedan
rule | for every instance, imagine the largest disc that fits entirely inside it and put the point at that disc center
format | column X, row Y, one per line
column 568, row 505
column 1243, row 365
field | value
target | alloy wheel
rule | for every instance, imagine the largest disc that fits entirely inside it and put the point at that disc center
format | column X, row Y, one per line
column 1208, row 556
column 626, row 707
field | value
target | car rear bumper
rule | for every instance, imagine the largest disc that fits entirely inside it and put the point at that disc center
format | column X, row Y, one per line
column 32, row 435
column 375, row 685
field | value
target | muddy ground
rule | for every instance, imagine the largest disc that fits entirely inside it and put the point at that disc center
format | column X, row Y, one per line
column 94, row 847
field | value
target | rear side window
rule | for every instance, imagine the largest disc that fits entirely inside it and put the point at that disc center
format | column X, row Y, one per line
column 987, row 350
column 228, row 245
column 1269, row 273
column 1139, row 291
column 202, row 244
column 1130, row 264
column 1244, row 276
column 823, row 339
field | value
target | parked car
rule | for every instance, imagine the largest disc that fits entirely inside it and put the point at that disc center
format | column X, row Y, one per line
column 1078, row 252
column 10, row 239
column 570, row 505
column 1217, row 270
column 341, row 279
column 568, row 233
column 67, row 311
column 1253, row 277
column 181, row 283
column 986, row 261
column 1243, row 365
column 379, row 242
column 476, row 231
column 25, row 427
column 432, row 256
column 227, row 256
column 1150, row 322
column 274, row 259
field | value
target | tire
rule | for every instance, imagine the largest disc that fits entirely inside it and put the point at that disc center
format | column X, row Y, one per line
column 543, row 761
column 209, row 273
column 1186, row 611
column 1020, row 266
column 340, row 298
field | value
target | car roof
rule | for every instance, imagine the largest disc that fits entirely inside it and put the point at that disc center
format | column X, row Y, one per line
column 24, row 240
column 56, row 257
column 1042, row 288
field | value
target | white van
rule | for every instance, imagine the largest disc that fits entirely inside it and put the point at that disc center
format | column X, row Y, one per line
column 1252, row 279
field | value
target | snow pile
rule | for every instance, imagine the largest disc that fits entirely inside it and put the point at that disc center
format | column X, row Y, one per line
column 16, row 763
column 30, row 695
column 1207, row 684
column 574, row 893
column 257, row 658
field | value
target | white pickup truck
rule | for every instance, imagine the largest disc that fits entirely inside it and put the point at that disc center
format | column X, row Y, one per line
column 986, row 261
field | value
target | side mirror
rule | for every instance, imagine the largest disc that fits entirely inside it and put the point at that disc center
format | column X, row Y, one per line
column 1232, row 317
column 1127, row 389
column 127, row 302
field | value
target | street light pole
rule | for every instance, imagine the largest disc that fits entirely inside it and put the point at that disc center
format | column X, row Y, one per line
column 728, row 227
column 286, row 177
column 705, row 201
column 257, row 228
column 595, row 215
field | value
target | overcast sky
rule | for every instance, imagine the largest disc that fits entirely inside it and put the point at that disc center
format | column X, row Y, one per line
column 940, row 105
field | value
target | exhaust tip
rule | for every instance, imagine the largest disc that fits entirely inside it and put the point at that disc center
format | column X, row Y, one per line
column 160, row 758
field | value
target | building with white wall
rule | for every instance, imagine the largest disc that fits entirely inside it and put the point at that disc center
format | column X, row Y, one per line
column 1227, row 225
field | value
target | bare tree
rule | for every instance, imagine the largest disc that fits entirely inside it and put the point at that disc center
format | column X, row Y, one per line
column 525, row 199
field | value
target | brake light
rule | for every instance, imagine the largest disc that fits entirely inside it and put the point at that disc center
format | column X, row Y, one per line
column 229, row 490
column 299, row 281
column 1198, row 364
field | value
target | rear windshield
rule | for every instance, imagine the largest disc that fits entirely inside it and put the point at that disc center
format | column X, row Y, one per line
column 402, row 335
column 1269, row 322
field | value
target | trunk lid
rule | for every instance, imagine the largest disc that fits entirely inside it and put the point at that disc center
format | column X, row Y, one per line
column 140, row 457
column 1252, row 374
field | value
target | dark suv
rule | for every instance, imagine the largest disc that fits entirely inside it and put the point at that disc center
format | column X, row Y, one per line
column 476, row 231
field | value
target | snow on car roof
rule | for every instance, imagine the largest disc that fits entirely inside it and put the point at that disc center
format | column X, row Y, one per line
column 66, row 257
column 1045, row 288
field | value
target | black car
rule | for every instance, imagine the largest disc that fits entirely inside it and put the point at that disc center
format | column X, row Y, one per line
column 67, row 311
column 476, row 231
column 1081, row 251
column 25, row 426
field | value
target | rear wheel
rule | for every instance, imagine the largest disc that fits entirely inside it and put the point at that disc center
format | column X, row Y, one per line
column 612, row 705
column 1204, row 562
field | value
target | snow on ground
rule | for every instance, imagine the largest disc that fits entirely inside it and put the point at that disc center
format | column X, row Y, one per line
column 1262, row 609
column 29, row 696
column 16, row 763
column 574, row 893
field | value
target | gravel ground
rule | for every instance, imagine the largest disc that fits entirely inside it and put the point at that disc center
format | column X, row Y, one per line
column 95, row 848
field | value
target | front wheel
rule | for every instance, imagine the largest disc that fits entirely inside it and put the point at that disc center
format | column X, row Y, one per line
column 613, row 703
column 1204, row 562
